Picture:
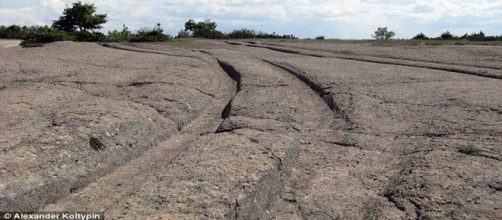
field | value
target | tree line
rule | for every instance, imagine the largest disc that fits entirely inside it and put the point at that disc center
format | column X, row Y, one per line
column 383, row 33
column 481, row 36
column 80, row 22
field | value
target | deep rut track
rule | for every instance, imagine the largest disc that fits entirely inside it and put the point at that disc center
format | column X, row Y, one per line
column 241, row 172
column 109, row 190
column 275, row 145
column 289, row 137
column 469, row 70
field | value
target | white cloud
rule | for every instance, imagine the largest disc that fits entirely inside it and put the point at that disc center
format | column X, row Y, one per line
column 335, row 18
column 54, row 4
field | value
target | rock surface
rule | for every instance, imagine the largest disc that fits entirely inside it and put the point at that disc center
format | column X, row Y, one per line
column 262, row 130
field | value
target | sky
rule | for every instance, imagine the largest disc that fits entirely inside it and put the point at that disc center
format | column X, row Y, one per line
column 343, row 19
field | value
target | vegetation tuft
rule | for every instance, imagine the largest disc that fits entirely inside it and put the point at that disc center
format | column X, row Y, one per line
column 21, row 80
column 469, row 149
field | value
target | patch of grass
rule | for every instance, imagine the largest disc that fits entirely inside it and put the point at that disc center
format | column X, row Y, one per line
column 372, row 209
column 469, row 149
column 21, row 81
column 30, row 44
column 434, row 43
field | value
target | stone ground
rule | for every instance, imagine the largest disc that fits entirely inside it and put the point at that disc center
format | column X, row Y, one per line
column 9, row 43
column 252, row 130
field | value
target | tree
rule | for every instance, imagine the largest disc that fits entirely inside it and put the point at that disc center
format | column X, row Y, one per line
column 203, row 29
column 81, row 17
column 382, row 33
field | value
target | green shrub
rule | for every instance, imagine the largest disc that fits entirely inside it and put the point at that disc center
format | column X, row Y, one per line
column 203, row 29
column 242, row 34
column 89, row 36
column 214, row 35
column 420, row 36
column 475, row 36
column 183, row 34
column 447, row 36
column 275, row 36
column 469, row 149
column 12, row 32
column 42, row 35
column 207, row 29
column 320, row 38
column 155, row 34
column 248, row 33
column 116, row 36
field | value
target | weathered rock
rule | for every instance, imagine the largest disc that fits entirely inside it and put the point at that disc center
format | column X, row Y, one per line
column 265, row 131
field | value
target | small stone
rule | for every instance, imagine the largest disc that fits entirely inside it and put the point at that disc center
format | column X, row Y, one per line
column 96, row 144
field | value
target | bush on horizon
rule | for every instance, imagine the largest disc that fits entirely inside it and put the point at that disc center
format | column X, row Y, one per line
column 146, row 34
column 242, row 33
column 80, row 22
column 203, row 29
column 446, row 36
column 119, row 36
column 41, row 35
column 383, row 33
column 12, row 31
column 420, row 36
column 183, row 34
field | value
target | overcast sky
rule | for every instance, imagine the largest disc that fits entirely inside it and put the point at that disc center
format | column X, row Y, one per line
column 348, row 19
